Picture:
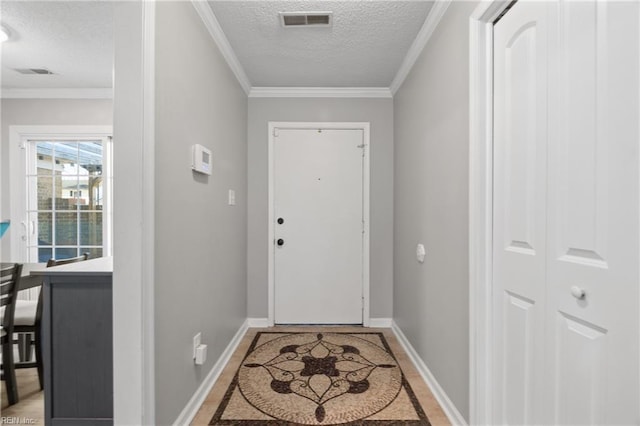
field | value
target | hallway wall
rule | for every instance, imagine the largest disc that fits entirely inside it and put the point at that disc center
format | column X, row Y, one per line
column 200, row 241
column 431, row 300
column 379, row 112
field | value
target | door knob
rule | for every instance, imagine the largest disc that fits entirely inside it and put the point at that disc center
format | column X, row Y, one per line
column 578, row 292
column 280, row 221
column 280, row 242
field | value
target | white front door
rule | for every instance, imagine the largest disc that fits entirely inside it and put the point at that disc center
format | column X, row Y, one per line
column 318, row 226
column 566, row 213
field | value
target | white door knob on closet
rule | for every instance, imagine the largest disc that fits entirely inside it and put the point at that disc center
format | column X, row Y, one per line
column 578, row 292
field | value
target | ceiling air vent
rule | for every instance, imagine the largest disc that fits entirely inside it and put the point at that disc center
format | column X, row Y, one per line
column 306, row 19
column 40, row 71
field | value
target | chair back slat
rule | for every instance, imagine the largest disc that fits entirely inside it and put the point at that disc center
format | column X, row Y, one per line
column 9, row 282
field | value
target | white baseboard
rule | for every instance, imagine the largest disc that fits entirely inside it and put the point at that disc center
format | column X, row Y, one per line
column 194, row 404
column 447, row 405
column 258, row 322
column 380, row 322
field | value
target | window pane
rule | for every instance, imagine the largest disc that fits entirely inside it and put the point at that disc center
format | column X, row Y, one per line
column 44, row 254
column 91, row 228
column 66, row 192
column 44, row 188
column 92, row 192
column 66, row 253
column 66, row 229
column 94, row 252
column 65, row 198
column 44, row 160
column 45, row 229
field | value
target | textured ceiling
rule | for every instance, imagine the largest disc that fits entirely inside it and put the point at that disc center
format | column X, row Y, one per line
column 73, row 39
column 364, row 48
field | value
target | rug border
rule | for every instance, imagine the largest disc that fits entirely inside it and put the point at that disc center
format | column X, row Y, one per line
column 217, row 421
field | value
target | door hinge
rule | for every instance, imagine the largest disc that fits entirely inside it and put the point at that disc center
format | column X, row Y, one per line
column 276, row 132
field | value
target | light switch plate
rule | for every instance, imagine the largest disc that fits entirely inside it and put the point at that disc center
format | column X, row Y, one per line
column 232, row 197
column 420, row 253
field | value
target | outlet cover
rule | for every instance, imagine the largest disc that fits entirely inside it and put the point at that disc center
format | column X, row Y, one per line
column 197, row 340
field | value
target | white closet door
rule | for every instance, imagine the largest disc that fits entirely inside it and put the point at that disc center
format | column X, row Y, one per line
column 519, row 212
column 566, row 213
column 593, row 214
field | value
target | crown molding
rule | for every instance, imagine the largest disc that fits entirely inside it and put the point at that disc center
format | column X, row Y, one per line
column 215, row 30
column 320, row 92
column 58, row 93
column 433, row 19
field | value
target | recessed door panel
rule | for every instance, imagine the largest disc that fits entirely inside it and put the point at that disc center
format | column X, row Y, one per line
column 581, row 350
column 521, row 136
column 518, row 368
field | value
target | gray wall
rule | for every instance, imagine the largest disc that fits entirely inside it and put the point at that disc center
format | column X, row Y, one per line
column 431, row 300
column 40, row 112
column 200, row 250
column 379, row 112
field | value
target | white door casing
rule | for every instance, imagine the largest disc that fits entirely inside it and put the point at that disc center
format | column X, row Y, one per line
column 319, row 188
column 566, row 214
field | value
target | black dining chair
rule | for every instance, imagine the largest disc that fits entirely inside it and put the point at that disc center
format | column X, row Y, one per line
column 9, row 282
column 27, row 322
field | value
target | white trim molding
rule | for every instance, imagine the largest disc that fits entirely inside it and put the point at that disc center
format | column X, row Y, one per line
column 433, row 19
column 258, row 322
column 365, row 127
column 57, row 93
column 441, row 396
column 215, row 30
column 380, row 322
column 191, row 409
column 133, row 214
column 481, row 207
column 320, row 92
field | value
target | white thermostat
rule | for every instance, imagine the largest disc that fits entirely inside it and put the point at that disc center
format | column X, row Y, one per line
column 201, row 160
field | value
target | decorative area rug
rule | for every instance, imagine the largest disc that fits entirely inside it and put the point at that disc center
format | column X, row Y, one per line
column 319, row 379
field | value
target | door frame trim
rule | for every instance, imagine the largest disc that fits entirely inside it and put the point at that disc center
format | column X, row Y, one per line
column 481, row 208
column 365, row 127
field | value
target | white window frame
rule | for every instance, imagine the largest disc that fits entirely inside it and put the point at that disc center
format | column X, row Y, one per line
column 18, row 136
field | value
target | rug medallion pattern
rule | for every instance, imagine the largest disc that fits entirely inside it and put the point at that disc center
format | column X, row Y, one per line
column 319, row 379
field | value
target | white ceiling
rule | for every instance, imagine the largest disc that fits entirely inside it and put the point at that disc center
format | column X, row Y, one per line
column 364, row 48
column 73, row 39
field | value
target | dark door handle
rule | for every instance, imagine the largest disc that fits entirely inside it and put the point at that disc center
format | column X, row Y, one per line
column 280, row 221
column 280, row 242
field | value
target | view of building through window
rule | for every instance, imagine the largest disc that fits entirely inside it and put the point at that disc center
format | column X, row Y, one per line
column 66, row 198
